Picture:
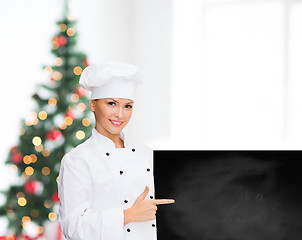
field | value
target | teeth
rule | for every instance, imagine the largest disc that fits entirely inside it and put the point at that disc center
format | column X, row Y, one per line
column 116, row 122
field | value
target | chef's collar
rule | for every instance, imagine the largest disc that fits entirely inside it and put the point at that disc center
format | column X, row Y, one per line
column 105, row 140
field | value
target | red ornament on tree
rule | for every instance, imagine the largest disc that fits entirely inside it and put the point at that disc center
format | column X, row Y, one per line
column 32, row 187
column 17, row 157
column 55, row 197
column 70, row 114
column 86, row 62
column 14, row 149
column 80, row 91
column 62, row 40
column 53, row 134
column 9, row 237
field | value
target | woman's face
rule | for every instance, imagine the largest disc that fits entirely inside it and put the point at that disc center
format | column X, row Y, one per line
column 111, row 114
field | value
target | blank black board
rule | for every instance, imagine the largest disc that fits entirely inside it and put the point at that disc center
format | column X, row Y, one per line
column 229, row 195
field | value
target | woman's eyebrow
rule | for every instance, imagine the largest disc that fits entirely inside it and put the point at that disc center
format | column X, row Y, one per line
column 116, row 101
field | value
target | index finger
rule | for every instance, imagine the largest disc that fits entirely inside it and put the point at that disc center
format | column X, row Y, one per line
column 164, row 201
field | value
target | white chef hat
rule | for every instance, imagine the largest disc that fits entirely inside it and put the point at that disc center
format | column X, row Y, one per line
column 111, row 80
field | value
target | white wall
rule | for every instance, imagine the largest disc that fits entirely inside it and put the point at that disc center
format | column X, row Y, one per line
column 104, row 29
column 151, row 47
column 236, row 75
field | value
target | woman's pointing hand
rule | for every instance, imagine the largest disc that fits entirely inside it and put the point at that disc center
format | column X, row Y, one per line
column 143, row 209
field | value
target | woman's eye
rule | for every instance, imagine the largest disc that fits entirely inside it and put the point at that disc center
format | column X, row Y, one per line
column 128, row 106
column 111, row 103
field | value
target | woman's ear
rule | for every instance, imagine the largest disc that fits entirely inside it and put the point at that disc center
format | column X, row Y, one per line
column 91, row 105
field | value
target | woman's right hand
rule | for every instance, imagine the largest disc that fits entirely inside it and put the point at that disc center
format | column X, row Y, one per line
column 143, row 209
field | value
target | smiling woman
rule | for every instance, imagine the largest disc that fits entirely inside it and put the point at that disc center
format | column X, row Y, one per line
column 111, row 115
column 103, row 182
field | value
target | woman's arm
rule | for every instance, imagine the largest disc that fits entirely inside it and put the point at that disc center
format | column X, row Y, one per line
column 127, row 216
column 77, row 218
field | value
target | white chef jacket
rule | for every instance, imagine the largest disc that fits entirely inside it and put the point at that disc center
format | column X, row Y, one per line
column 97, row 182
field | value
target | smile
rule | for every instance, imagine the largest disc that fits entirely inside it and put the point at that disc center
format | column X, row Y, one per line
column 116, row 123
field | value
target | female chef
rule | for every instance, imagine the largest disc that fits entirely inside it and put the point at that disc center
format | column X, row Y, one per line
column 106, row 184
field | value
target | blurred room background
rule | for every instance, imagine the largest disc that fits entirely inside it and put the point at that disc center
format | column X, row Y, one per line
column 219, row 74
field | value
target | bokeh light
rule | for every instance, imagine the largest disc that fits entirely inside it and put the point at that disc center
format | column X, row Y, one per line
column 74, row 97
column 47, row 204
column 52, row 216
column 22, row 201
column 48, row 70
column 39, row 148
column 59, row 61
column 70, row 32
column 56, row 76
column 20, row 194
column 45, row 171
column 62, row 27
column 86, row 122
column 33, row 157
column 80, row 135
column 29, row 171
column 42, row 115
column 37, row 141
column 27, row 159
column 68, row 120
column 77, row 70
column 52, row 101
column 82, row 106
column 45, row 152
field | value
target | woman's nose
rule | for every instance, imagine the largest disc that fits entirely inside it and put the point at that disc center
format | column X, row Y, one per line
column 119, row 112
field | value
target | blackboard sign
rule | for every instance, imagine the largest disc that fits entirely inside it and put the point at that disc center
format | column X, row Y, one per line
column 229, row 195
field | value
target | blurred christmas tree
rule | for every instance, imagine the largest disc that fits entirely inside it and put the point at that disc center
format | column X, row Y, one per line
column 61, row 121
